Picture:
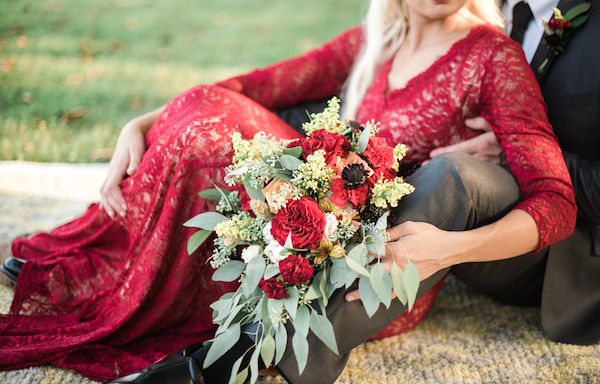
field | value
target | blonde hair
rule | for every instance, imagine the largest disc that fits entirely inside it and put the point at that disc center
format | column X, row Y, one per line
column 385, row 28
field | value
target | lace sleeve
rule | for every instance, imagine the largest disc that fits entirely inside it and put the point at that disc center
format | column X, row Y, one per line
column 513, row 105
column 315, row 75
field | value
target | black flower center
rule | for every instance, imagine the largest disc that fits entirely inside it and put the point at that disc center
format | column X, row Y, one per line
column 354, row 176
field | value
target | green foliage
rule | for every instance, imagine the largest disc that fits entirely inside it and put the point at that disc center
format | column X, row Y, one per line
column 72, row 72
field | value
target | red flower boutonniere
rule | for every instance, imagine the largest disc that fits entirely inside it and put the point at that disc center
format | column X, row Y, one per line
column 558, row 30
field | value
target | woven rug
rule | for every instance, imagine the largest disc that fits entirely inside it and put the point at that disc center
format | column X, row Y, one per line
column 466, row 338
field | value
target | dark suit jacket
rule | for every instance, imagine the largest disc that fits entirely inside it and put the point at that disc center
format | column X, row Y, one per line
column 571, row 88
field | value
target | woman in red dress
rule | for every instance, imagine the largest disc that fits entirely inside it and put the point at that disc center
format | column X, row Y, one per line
column 114, row 290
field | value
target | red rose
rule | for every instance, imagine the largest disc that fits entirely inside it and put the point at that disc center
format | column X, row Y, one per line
column 303, row 219
column 333, row 144
column 341, row 196
column 273, row 288
column 559, row 24
column 379, row 153
column 296, row 269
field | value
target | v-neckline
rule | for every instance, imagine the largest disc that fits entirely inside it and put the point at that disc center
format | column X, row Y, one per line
column 387, row 92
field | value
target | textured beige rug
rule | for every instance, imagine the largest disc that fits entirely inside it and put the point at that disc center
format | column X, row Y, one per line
column 466, row 338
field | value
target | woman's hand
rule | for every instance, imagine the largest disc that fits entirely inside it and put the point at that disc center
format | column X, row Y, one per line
column 425, row 245
column 125, row 160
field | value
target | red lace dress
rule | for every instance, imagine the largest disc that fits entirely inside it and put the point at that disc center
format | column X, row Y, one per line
column 106, row 297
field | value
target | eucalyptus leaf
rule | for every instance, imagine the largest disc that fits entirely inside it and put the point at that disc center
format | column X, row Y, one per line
column 234, row 370
column 280, row 342
column 283, row 174
column 323, row 285
column 254, row 362
column 267, row 350
column 322, row 328
column 290, row 303
column 314, row 291
column 354, row 259
column 254, row 193
column 300, row 346
column 382, row 284
column 230, row 271
column 293, row 151
column 301, row 322
column 275, row 307
column 382, row 222
column 339, row 269
column 196, row 240
column 211, row 194
column 290, row 162
column 411, row 283
column 368, row 296
column 230, row 318
column 222, row 343
column 255, row 269
column 398, row 283
column 577, row 10
column 271, row 271
column 242, row 376
column 363, row 140
column 206, row 220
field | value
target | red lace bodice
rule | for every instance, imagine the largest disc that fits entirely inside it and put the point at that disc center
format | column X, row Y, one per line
column 484, row 74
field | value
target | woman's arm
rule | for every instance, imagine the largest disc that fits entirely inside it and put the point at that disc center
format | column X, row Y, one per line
column 315, row 75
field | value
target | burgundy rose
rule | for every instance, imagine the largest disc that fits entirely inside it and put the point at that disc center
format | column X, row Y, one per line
column 379, row 153
column 303, row 219
column 273, row 288
column 341, row 195
column 559, row 24
column 296, row 269
column 333, row 144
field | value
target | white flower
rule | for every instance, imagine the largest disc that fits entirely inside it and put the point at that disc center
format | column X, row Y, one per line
column 250, row 252
column 274, row 252
column 266, row 232
column 331, row 223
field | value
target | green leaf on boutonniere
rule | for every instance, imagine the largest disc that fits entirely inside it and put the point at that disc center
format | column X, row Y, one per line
column 368, row 296
column 196, row 240
column 382, row 284
column 206, row 220
column 230, row 271
column 411, row 283
column 578, row 21
column 576, row 11
column 322, row 328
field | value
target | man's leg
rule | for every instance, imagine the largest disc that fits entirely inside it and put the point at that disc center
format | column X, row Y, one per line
column 454, row 192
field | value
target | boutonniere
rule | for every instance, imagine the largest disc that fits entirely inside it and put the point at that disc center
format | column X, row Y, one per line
column 558, row 30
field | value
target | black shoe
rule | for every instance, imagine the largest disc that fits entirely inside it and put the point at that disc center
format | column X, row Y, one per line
column 12, row 267
column 176, row 368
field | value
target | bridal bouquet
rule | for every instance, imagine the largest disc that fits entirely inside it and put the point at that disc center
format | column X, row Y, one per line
column 302, row 218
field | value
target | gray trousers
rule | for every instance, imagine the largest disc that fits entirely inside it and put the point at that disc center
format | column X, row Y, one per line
column 453, row 192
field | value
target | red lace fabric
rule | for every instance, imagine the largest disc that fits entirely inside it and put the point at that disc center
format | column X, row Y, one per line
column 106, row 297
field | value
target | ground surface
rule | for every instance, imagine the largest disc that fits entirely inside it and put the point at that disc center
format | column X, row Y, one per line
column 466, row 338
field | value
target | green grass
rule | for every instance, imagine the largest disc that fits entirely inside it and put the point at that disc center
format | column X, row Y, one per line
column 72, row 72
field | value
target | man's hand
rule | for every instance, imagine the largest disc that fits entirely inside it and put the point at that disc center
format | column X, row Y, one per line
column 483, row 147
column 424, row 244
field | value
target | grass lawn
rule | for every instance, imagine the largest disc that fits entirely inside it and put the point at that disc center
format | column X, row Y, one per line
column 72, row 72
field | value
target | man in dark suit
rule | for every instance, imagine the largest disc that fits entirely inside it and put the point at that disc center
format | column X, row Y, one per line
column 565, row 279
